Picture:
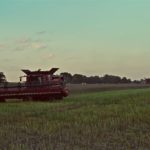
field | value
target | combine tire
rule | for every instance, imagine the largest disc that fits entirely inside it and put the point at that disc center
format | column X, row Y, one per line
column 59, row 97
column 28, row 98
column 2, row 100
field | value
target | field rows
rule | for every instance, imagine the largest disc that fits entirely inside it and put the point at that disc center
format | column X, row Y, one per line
column 85, row 88
column 92, row 121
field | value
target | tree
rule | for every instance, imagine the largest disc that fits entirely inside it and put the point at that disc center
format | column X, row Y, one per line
column 125, row 80
column 78, row 78
column 2, row 77
column 67, row 77
column 93, row 79
column 111, row 79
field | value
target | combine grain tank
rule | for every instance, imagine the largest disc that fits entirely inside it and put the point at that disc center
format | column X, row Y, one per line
column 38, row 85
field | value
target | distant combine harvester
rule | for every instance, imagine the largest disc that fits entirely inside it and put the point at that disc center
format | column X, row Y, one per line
column 38, row 85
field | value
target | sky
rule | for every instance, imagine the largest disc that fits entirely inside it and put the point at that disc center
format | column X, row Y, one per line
column 90, row 37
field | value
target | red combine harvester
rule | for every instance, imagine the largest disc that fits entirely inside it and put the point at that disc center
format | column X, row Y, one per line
column 39, row 85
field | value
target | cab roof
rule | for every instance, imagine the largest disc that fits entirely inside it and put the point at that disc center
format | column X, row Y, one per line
column 39, row 72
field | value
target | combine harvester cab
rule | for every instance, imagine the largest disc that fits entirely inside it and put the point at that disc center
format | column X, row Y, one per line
column 38, row 85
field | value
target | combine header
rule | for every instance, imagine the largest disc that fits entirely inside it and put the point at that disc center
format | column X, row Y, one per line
column 38, row 85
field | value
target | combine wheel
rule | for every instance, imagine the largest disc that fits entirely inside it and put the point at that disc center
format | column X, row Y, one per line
column 28, row 98
column 58, row 97
column 2, row 100
column 40, row 99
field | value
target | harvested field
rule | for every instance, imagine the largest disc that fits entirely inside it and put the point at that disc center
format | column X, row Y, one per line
column 82, row 88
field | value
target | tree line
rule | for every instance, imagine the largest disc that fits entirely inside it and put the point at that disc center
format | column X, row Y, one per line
column 79, row 78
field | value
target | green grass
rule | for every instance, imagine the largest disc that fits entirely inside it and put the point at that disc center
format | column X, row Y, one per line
column 94, row 121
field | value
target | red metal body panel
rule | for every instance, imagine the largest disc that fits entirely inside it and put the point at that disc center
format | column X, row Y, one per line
column 39, row 85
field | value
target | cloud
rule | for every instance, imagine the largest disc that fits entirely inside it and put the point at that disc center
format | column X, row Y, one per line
column 41, row 32
column 24, row 41
column 7, row 59
column 28, row 43
column 38, row 45
column 48, row 56
column 2, row 46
